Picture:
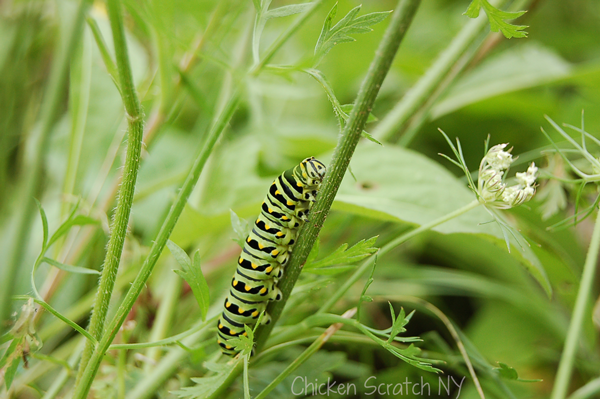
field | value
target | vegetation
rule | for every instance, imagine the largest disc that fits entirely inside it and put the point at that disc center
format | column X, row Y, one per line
column 129, row 127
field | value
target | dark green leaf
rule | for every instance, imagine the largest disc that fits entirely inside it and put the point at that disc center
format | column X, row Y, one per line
column 510, row 373
column 497, row 18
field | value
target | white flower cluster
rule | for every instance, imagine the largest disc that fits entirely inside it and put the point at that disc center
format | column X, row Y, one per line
column 491, row 187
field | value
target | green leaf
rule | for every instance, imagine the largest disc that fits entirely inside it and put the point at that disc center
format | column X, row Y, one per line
column 79, row 220
column 345, row 255
column 371, row 138
column 350, row 24
column 398, row 323
column 241, row 228
column 44, row 224
column 206, row 386
column 70, row 268
column 11, row 362
column 347, row 109
column 497, row 18
column 192, row 273
column 288, row 10
column 510, row 373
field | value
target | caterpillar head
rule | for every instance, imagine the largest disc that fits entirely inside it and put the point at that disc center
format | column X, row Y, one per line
column 313, row 171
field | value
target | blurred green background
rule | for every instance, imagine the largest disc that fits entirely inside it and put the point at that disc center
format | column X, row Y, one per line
column 463, row 268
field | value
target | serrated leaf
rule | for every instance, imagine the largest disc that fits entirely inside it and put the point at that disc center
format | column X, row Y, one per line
column 206, row 386
column 70, row 268
column 398, row 324
column 192, row 274
column 345, row 255
column 348, row 25
column 330, row 271
column 288, row 10
column 241, row 228
column 497, row 18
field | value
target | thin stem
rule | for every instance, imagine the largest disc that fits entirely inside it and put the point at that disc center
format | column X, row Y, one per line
column 308, row 352
column 387, row 248
column 158, row 245
column 565, row 368
column 35, row 157
column 396, row 119
column 130, row 172
column 349, row 138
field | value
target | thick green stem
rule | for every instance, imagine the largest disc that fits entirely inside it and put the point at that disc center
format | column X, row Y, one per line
column 565, row 368
column 379, row 68
column 387, row 248
column 396, row 119
column 130, row 172
column 35, row 157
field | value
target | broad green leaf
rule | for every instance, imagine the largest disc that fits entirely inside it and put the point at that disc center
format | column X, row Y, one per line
column 397, row 184
column 70, row 268
column 345, row 255
column 11, row 362
column 288, row 10
column 350, row 24
column 241, row 228
column 514, row 69
column 192, row 274
column 497, row 18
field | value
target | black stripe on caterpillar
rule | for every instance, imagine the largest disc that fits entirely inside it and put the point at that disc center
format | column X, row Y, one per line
column 267, row 250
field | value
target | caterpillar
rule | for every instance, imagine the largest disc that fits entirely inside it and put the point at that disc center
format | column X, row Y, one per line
column 267, row 250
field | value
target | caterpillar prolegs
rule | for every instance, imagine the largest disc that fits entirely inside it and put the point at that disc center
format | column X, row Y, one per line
column 267, row 249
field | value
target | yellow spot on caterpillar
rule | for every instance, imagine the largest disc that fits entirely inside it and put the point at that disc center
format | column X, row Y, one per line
column 267, row 226
column 249, row 239
column 228, row 304
column 228, row 346
column 240, row 310
column 218, row 341
column 254, row 266
column 270, row 210
column 299, row 184
column 275, row 252
column 220, row 325
column 263, row 290
column 268, row 269
column 260, row 246
column 290, row 203
column 255, row 313
column 304, row 175
column 277, row 192
column 257, row 221
column 240, row 261
column 231, row 332
column 245, row 334
column 235, row 283
column 285, row 218
column 247, row 287
column 279, row 234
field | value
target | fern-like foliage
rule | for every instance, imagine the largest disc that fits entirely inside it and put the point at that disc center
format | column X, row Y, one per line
column 498, row 18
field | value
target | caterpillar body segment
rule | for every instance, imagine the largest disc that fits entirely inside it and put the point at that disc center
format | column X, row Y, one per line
column 267, row 250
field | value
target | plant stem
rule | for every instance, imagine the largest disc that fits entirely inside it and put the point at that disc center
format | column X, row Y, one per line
column 351, row 134
column 158, row 245
column 35, row 157
column 387, row 248
column 308, row 352
column 396, row 119
column 118, row 229
column 565, row 368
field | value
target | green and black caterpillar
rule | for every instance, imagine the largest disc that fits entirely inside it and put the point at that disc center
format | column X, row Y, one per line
column 267, row 249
